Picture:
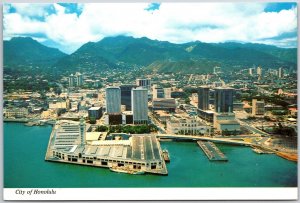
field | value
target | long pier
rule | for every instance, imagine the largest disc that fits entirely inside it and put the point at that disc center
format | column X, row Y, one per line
column 212, row 151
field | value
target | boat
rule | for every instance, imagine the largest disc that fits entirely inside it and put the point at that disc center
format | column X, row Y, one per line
column 122, row 169
column 165, row 155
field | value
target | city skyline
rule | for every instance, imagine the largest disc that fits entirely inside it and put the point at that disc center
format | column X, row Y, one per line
column 68, row 26
column 157, row 95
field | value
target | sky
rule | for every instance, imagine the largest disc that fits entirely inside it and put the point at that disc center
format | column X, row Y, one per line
column 69, row 26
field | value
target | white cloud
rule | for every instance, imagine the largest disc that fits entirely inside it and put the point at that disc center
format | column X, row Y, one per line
column 175, row 22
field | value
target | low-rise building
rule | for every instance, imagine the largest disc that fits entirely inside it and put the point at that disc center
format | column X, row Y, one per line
column 164, row 104
column 186, row 126
column 226, row 123
column 15, row 112
column 95, row 112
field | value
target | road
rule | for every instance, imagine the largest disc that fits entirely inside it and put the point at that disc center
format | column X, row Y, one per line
column 156, row 123
column 252, row 128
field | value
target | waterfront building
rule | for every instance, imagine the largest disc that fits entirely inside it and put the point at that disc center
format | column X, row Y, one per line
column 15, row 112
column 113, row 100
column 95, row 112
column 146, row 83
column 258, row 107
column 224, row 100
column 186, row 126
column 226, row 122
column 139, row 105
column 82, row 131
column 228, row 126
column 164, row 104
column 126, row 95
column 67, row 147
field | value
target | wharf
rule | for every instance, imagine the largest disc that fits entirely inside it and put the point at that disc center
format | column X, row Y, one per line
column 138, row 153
column 212, row 151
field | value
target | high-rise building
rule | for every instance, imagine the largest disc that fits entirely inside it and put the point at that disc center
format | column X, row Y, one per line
column 250, row 71
column 203, row 98
column 79, row 79
column 76, row 80
column 259, row 71
column 258, row 107
column 139, row 99
column 71, row 80
column 280, row 72
column 126, row 95
column 224, row 100
column 146, row 83
column 113, row 100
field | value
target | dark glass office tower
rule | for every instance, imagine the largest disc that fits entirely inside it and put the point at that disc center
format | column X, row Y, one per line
column 203, row 98
column 224, row 100
column 126, row 95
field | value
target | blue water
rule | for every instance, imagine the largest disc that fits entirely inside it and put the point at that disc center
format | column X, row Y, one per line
column 24, row 166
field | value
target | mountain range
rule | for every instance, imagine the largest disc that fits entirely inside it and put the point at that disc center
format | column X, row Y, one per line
column 162, row 56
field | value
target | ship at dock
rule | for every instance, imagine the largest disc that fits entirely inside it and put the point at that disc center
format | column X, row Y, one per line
column 126, row 170
column 165, row 155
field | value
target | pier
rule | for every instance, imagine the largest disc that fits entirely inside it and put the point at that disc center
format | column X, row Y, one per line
column 212, row 151
column 138, row 153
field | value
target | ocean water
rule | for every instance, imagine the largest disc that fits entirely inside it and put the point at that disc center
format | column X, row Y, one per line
column 24, row 166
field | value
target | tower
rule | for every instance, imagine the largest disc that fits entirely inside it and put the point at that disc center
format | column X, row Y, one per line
column 82, row 131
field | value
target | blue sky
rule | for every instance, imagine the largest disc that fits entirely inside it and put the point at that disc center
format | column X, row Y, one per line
column 68, row 26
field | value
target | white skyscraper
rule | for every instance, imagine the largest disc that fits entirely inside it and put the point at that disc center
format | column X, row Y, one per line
column 250, row 71
column 139, row 99
column 280, row 72
column 79, row 79
column 259, row 71
column 113, row 100
column 71, row 81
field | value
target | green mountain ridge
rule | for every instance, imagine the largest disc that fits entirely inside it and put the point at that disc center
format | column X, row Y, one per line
column 162, row 56
column 24, row 51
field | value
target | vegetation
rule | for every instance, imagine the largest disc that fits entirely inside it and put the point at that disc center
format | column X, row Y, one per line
column 127, row 52
column 102, row 128
column 139, row 129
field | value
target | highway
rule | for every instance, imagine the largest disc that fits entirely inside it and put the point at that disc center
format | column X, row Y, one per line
column 197, row 137
column 156, row 123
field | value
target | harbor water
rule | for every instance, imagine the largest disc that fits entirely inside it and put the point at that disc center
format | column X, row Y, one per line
column 24, row 166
